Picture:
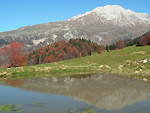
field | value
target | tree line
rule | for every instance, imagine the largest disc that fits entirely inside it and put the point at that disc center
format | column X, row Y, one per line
column 139, row 41
column 14, row 55
column 62, row 50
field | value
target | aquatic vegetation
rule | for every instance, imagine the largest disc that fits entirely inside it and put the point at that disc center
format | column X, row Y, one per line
column 10, row 108
column 16, row 107
column 38, row 104
column 82, row 110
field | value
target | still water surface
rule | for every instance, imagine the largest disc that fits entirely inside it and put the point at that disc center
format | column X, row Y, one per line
column 103, row 93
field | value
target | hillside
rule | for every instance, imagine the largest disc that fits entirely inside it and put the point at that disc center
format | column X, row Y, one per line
column 3, row 42
column 62, row 50
column 103, row 25
column 131, row 62
column 143, row 40
column 15, row 55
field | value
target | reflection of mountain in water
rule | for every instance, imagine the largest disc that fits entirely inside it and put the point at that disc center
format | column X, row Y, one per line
column 103, row 91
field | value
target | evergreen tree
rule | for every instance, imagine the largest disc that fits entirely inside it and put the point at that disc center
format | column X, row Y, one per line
column 114, row 47
column 49, row 54
column 78, row 44
column 65, row 50
column 111, row 47
column 56, row 45
column 95, row 48
column 90, row 53
column 37, row 57
column 47, row 49
column 70, row 41
column 107, row 48
column 89, row 42
column 74, row 43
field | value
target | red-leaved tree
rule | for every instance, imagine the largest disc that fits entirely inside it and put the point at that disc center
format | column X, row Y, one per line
column 15, row 55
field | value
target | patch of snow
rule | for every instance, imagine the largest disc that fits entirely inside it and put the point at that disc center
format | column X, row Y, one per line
column 68, row 36
column 76, row 17
column 111, row 12
column 66, row 28
column 117, row 14
column 98, row 37
column 79, row 16
column 103, row 33
column 48, row 43
column 54, row 36
column 36, row 42
column 29, row 45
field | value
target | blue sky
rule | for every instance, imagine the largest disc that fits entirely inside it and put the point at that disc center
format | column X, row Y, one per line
column 19, row 13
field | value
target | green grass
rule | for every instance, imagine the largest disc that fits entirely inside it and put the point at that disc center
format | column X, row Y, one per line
column 122, row 62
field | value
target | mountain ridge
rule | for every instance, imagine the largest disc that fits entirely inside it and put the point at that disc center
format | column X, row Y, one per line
column 103, row 25
column 112, row 12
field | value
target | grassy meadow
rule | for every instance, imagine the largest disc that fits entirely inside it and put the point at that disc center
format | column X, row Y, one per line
column 131, row 62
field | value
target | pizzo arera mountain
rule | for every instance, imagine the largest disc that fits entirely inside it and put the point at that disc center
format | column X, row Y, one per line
column 103, row 25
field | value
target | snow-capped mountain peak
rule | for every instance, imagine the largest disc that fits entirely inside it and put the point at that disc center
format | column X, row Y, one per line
column 103, row 25
column 109, row 9
column 110, row 12
column 117, row 14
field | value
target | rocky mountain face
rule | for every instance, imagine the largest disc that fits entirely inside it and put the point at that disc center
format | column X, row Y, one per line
column 104, row 25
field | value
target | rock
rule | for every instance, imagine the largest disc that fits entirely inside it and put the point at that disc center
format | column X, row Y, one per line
column 120, row 67
column 54, row 79
column 145, row 79
column 101, row 66
column 145, row 61
column 63, row 68
column 128, row 61
column 107, row 66
column 136, row 72
column 140, row 52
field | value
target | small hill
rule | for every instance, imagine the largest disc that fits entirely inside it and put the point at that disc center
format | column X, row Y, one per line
column 62, row 50
column 131, row 62
column 3, row 42
column 142, row 40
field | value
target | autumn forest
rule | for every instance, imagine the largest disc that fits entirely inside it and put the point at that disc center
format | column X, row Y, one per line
column 15, row 54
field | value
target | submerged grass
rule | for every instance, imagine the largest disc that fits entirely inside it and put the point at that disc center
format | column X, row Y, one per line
column 16, row 107
column 10, row 108
column 132, row 62
column 38, row 104
column 82, row 110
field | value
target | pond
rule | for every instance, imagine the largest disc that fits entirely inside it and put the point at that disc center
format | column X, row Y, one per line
column 99, row 92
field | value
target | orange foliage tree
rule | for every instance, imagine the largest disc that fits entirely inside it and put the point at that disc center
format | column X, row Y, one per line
column 14, row 51
column 120, row 44
column 62, row 50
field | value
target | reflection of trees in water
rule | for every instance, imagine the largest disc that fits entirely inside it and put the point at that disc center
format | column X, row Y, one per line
column 15, row 83
column 81, row 76
column 104, row 91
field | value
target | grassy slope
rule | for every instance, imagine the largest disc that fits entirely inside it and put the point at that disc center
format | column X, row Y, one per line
column 108, row 62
